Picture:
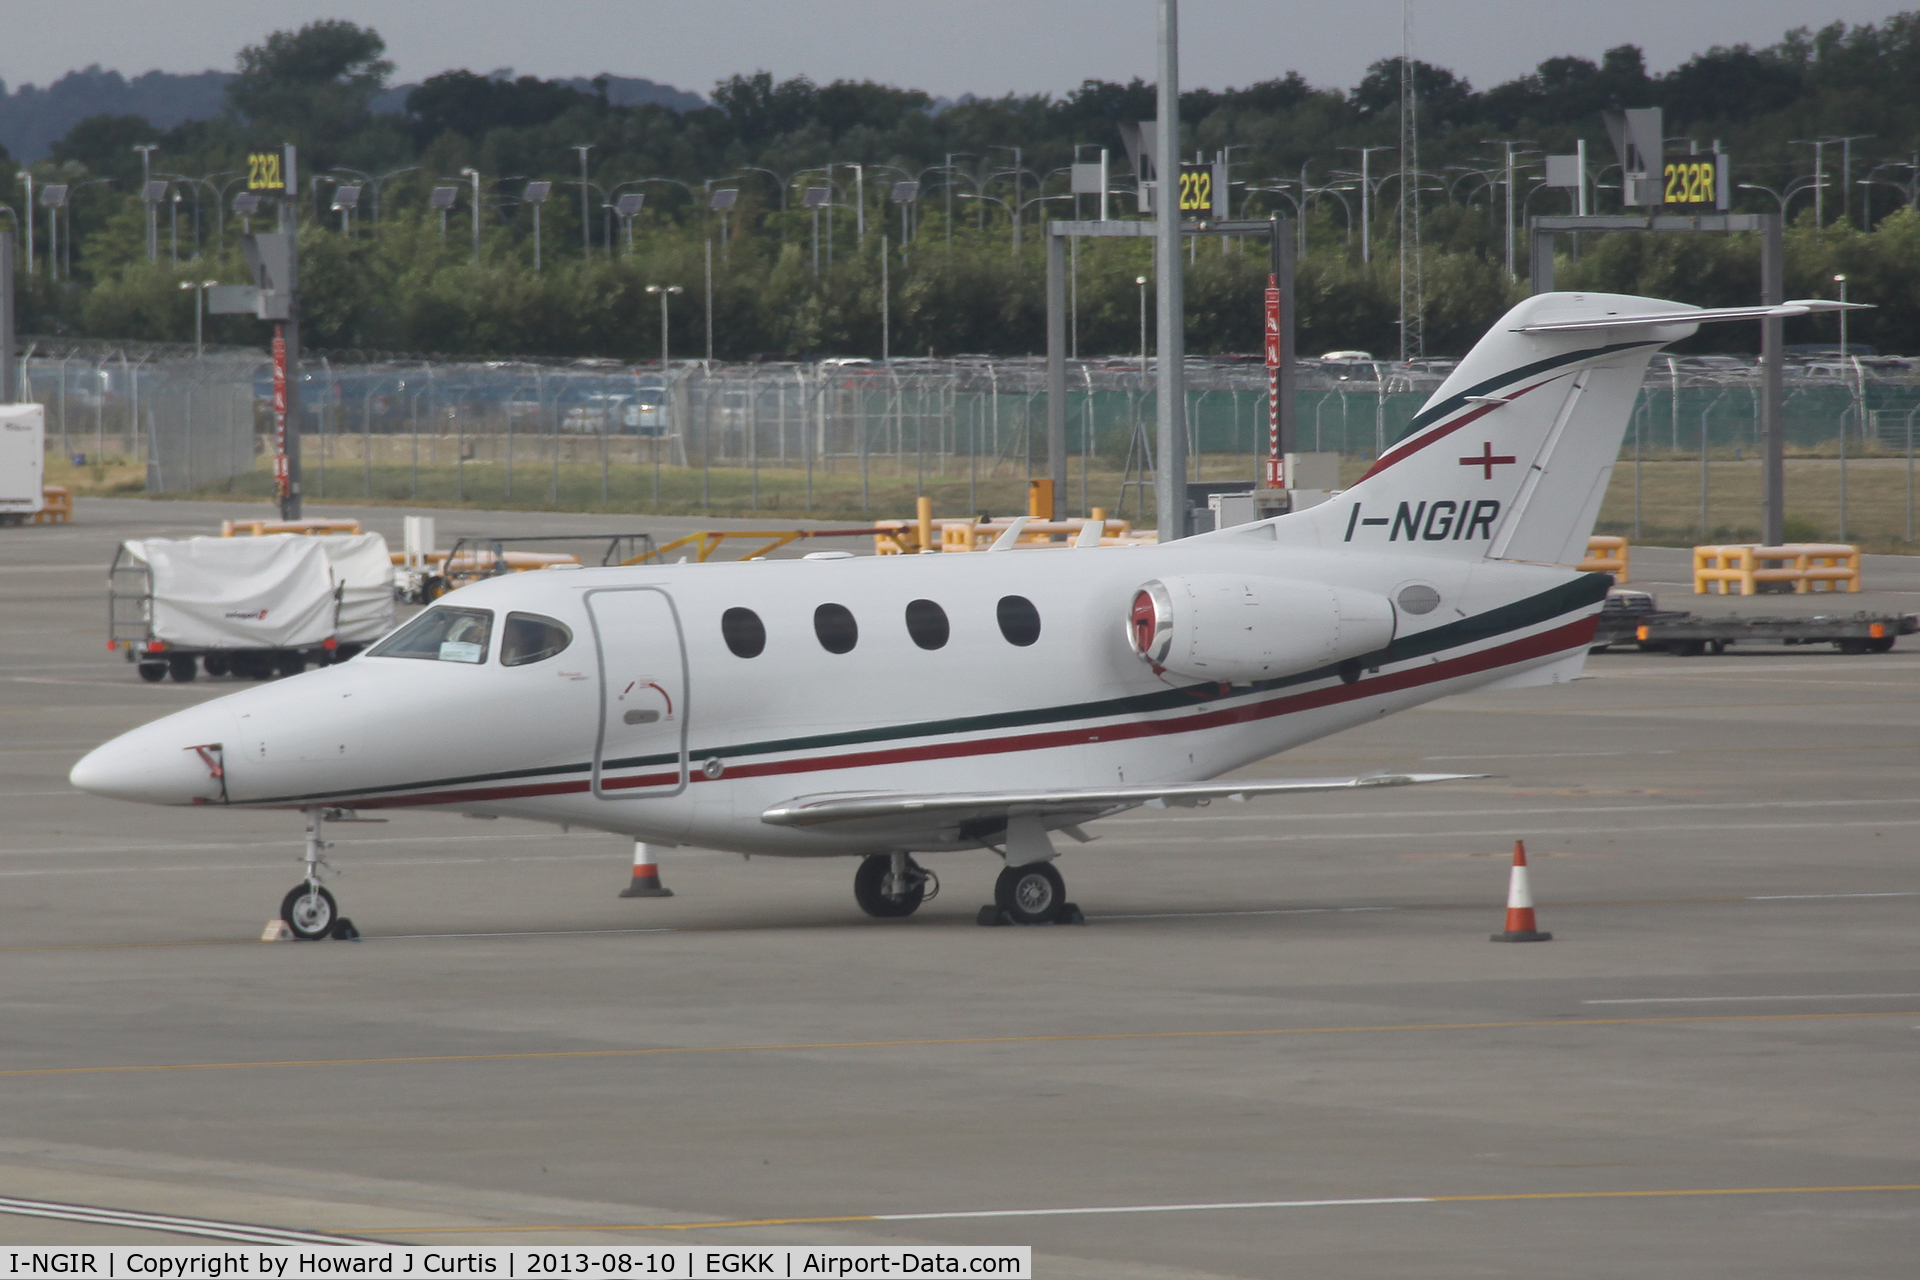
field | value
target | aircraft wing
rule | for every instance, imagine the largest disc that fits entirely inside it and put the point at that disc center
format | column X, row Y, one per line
column 869, row 810
column 1697, row 315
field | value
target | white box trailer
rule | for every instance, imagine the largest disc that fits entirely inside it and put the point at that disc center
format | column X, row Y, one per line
column 23, row 442
column 248, row 607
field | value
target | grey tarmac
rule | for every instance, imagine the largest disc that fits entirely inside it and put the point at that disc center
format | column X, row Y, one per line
column 1281, row 1046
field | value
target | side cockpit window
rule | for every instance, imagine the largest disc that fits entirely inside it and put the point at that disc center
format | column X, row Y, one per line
column 441, row 634
column 530, row 637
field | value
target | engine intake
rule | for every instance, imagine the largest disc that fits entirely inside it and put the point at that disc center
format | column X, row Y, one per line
column 1239, row 630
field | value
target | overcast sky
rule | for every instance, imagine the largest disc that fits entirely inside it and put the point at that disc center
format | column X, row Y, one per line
column 947, row 47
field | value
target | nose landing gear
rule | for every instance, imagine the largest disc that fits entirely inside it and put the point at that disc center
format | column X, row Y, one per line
column 891, row 886
column 309, row 907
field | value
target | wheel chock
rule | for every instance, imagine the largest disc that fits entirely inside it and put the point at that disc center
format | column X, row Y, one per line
column 1065, row 913
column 343, row 931
column 276, row 931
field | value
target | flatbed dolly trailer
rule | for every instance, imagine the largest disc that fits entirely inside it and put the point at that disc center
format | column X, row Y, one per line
column 1634, row 618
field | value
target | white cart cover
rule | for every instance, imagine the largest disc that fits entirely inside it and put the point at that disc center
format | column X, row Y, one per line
column 363, row 570
column 274, row 592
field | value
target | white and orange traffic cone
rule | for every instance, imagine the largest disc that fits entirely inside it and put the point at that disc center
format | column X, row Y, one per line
column 1521, row 926
column 646, row 875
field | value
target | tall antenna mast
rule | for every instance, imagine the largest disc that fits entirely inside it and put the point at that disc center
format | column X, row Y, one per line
column 1413, row 337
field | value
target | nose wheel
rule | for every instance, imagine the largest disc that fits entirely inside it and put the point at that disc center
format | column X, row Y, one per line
column 309, row 908
column 310, row 911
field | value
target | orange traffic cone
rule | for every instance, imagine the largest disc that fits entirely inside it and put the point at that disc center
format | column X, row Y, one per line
column 646, row 875
column 1521, row 926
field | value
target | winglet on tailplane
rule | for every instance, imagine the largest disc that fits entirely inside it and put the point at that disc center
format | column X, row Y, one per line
column 1510, row 457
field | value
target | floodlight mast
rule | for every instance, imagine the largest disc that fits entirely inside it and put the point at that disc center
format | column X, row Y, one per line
column 1170, row 472
column 586, row 204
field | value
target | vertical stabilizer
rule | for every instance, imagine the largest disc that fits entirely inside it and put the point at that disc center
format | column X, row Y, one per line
column 1510, row 457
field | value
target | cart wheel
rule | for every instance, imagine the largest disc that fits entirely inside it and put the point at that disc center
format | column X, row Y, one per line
column 182, row 667
column 153, row 672
column 291, row 664
column 215, row 663
column 1883, row 645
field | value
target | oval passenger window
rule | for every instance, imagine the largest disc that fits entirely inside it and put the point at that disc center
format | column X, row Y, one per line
column 927, row 624
column 835, row 626
column 1019, row 620
column 744, row 633
column 530, row 637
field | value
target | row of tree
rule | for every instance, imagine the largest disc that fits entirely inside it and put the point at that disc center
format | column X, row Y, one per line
column 967, row 278
column 407, row 292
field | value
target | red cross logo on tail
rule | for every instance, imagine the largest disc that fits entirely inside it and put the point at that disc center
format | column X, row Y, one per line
column 1488, row 460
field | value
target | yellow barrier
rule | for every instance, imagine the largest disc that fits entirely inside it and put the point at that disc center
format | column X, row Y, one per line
column 1606, row 555
column 259, row 528
column 58, row 508
column 1808, row 566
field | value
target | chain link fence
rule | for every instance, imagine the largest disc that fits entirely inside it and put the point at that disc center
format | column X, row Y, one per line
column 371, row 426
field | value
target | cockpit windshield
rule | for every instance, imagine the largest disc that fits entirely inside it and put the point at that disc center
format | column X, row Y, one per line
column 441, row 634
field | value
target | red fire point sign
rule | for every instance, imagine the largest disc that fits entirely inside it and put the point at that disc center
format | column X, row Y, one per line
column 1276, row 463
column 281, row 486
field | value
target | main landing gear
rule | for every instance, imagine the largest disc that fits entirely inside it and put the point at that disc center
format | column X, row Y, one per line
column 309, row 907
column 892, row 885
column 1032, row 893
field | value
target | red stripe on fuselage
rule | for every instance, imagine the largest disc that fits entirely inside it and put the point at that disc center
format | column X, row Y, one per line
column 1577, row 634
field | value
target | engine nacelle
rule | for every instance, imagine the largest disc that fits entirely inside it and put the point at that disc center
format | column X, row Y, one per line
column 1238, row 630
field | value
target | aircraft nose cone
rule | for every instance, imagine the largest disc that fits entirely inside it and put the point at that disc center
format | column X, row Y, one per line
column 159, row 763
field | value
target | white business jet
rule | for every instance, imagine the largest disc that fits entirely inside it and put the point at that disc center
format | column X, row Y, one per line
column 884, row 708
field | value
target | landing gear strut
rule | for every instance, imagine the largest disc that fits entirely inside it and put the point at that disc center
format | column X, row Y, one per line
column 892, row 885
column 309, row 908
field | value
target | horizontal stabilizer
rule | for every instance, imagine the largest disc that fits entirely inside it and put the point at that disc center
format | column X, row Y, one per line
column 938, row 808
column 1692, row 315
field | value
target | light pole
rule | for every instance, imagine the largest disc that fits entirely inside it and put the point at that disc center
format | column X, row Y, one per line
column 814, row 198
column 948, row 167
column 1142, row 282
column 1016, row 191
column 376, row 184
column 146, row 150
column 1366, row 199
column 474, row 175
column 193, row 184
column 346, row 198
column 859, row 203
column 664, row 291
column 721, row 202
column 535, row 194
column 1170, row 393
column 54, row 197
column 1819, row 146
column 1841, row 280
column 1794, row 188
column 586, row 204
column 442, row 198
column 666, row 380
column 200, row 309
column 1507, row 145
